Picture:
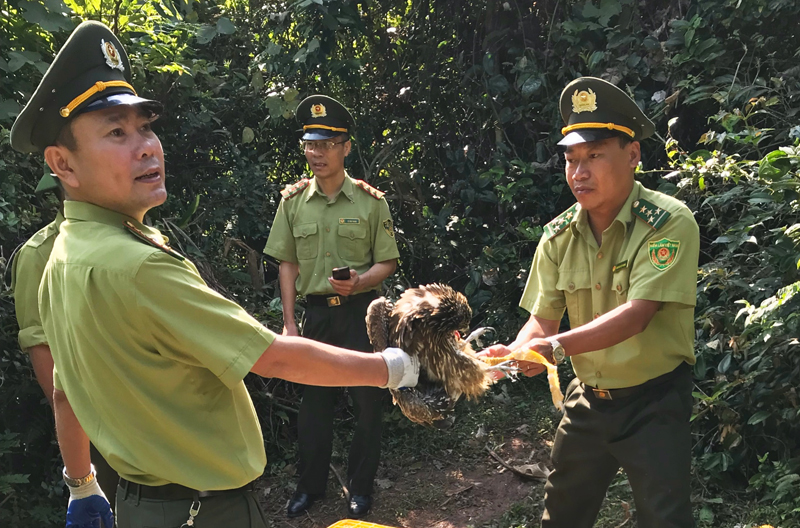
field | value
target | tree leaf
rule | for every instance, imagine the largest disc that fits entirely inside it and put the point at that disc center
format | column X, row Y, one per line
column 225, row 26
column 206, row 34
column 758, row 417
column 248, row 135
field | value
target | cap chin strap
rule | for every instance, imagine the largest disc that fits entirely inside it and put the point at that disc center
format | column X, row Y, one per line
column 609, row 126
column 324, row 127
column 97, row 87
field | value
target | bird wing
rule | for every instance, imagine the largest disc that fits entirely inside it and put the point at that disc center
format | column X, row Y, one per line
column 378, row 323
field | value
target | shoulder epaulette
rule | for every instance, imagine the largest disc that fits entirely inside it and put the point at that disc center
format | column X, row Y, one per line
column 295, row 188
column 649, row 213
column 372, row 191
column 138, row 233
column 560, row 223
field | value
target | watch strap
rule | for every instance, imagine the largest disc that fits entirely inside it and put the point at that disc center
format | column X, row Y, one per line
column 78, row 482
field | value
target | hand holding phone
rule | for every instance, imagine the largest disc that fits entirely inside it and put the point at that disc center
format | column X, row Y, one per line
column 341, row 273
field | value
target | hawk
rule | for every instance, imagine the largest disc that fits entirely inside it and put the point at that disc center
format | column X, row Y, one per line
column 427, row 322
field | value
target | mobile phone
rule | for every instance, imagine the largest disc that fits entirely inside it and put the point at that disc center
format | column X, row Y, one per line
column 341, row 273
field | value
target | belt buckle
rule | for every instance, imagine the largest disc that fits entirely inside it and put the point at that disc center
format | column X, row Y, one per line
column 334, row 301
column 602, row 394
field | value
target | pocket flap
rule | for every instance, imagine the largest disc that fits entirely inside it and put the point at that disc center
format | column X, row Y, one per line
column 571, row 281
column 621, row 280
column 304, row 230
column 352, row 231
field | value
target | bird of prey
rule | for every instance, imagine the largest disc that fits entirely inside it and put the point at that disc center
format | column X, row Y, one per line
column 427, row 322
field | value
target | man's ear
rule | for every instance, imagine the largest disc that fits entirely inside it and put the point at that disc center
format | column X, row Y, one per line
column 58, row 158
column 347, row 147
column 634, row 153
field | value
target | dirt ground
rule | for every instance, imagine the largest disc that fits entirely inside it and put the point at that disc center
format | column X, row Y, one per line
column 431, row 494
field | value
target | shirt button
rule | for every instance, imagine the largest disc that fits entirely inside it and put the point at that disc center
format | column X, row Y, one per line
column 328, row 254
column 596, row 315
column 598, row 374
column 597, row 286
column 600, row 254
column 327, row 229
column 619, row 287
column 571, row 286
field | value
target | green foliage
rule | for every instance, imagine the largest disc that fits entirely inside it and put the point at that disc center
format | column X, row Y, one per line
column 457, row 120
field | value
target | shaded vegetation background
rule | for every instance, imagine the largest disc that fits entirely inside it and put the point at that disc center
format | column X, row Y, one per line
column 456, row 105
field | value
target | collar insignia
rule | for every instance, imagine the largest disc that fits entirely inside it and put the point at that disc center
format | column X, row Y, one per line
column 584, row 101
column 318, row 110
column 112, row 56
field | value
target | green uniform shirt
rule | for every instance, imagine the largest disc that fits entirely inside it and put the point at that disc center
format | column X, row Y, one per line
column 651, row 254
column 353, row 229
column 151, row 359
column 26, row 274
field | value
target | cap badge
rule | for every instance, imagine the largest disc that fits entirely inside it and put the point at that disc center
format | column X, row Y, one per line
column 112, row 55
column 584, row 101
column 318, row 110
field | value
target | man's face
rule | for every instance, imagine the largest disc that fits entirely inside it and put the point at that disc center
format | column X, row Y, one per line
column 327, row 163
column 600, row 173
column 118, row 163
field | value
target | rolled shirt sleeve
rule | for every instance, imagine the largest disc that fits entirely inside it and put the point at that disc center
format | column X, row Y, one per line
column 280, row 244
column 194, row 324
column 26, row 273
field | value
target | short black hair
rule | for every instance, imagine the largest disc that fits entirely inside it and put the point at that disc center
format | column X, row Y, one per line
column 66, row 138
column 624, row 140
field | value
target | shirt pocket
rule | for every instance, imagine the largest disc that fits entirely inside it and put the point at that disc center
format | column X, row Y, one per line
column 306, row 240
column 352, row 243
column 620, row 285
column 576, row 286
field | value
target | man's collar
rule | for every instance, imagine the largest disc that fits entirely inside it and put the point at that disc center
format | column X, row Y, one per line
column 348, row 188
column 580, row 223
column 59, row 220
column 88, row 212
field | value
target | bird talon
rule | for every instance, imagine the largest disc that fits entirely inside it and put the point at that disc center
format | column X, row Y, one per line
column 477, row 333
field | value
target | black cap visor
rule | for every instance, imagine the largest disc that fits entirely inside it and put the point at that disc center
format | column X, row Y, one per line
column 587, row 135
column 154, row 107
column 318, row 134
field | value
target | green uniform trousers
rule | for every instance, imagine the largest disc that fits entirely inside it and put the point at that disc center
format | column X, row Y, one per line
column 231, row 510
column 647, row 434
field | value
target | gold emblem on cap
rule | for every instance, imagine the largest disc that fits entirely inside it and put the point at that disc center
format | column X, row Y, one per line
column 112, row 56
column 584, row 101
column 318, row 110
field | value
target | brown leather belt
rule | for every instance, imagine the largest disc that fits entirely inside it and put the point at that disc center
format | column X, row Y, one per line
column 173, row 491
column 338, row 300
column 627, row 392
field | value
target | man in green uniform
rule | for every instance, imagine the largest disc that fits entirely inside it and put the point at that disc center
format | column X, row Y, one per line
column 322, row 223
column 623, row 263
column 149, row 361
column 26, row 274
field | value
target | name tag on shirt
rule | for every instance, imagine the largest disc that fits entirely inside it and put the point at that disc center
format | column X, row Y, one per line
column 349, row 221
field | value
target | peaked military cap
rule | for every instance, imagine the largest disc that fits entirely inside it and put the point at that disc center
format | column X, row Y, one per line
column 324, row 117
column 91, row 72
column 594, row 109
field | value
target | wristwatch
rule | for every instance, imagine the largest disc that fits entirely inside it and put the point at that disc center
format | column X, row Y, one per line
column 558, row 350
column 78, row 482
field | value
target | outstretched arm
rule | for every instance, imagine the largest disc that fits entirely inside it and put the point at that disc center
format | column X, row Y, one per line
column 313, row 363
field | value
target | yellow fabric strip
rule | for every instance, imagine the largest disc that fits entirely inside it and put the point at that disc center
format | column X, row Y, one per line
column 610, row 126
column 97, row 87
column 325, row 127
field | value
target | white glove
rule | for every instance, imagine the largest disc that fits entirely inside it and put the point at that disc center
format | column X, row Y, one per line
column 403, row 369
column 88, row 507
